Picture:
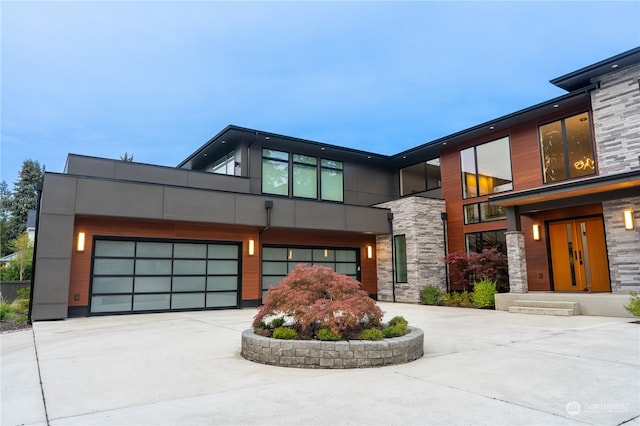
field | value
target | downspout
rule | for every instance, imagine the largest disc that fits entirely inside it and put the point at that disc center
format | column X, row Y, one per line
column 393, row 262
column 443, row 216
column 39, row 187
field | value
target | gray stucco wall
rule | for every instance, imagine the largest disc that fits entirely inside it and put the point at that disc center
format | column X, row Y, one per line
column 420, row 221
column 616, row 113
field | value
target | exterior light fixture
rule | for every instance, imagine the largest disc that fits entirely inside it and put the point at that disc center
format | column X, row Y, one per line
column 252, row 247
column 629, row 222
column 369, row 252
column 536, row 232
column 80, row 245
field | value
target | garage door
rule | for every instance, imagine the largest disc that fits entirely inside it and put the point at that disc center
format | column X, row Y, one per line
column 154, row 276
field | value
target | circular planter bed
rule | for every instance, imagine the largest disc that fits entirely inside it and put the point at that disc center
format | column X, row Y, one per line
column 340, row 354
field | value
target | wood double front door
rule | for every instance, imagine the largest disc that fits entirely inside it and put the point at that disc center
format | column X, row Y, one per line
column 579, row 255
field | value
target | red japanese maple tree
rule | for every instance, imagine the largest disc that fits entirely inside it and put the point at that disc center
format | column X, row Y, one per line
column 314, row 297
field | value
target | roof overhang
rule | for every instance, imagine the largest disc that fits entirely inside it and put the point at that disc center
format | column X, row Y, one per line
column 574, row 193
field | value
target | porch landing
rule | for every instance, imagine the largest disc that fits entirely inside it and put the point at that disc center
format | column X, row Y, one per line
column 596, row 304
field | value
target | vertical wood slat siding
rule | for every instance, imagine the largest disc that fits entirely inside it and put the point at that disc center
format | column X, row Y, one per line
column 251, row 265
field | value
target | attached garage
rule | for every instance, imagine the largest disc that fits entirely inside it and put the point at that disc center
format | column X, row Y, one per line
column 142, row 275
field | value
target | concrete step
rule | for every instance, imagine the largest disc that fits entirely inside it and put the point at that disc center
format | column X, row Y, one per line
column 552, row 304
column 541, row 311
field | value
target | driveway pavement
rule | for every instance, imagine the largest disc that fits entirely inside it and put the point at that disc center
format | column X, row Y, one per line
column 480, row 367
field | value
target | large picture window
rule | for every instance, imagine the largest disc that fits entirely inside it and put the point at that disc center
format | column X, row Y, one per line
column 420, row 177
column 486, row 169
column 567, row 148
column 478, row 241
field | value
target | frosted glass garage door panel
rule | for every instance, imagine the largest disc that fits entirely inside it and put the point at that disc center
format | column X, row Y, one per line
column 345, row 255
column 223, row 251
column 153, row 284
column 113, row 267
column 222, row 283
column 153, row 267
column 189, row 284
column 110, row 303
column 114, row 248
column 187, row 300
column 112, row 284
column 346, row 268
column 222, row 300
column 274, row 268
column 221, row 267
column 189, row 267
column 153, row 249
column 150, row 302
column 193, row 251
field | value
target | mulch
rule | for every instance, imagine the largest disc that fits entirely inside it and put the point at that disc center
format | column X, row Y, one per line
column 8, row 326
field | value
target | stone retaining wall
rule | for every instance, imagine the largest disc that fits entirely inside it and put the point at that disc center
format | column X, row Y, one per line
column 342, row 354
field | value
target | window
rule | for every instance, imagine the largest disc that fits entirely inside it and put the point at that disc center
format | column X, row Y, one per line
column 420, row 177
column 400, row 246
column 225, row 165
column 305, row 176
column 486, row 169
column 567, row 148
column 331, row 180
column 478, row 241
column 275, row 172
column 483, row 212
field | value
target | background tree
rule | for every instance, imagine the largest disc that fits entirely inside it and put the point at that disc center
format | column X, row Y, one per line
column 23, row 247
column 23, row 198
column 126, row 157
column 4, row 218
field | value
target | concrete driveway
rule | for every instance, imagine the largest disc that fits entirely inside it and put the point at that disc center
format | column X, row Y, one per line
column 480, row 367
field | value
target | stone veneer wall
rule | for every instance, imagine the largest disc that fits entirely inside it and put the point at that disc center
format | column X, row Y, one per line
column 419, row 219
column 616, row 116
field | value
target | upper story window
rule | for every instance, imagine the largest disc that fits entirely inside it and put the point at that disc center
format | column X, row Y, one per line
column 225, row 165
column 486, row 169
column 420, row 177
column 567, row 148
column 275, row 172
column 305, row 170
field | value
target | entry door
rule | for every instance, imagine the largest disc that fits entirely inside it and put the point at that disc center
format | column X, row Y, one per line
column 579, row 255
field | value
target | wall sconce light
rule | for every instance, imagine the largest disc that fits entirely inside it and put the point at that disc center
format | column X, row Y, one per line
column 536, row 232
column 369, row 252
column 629, row 223
column 252, row 247
column 80, row 245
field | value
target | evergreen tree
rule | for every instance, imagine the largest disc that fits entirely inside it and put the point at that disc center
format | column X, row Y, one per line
column 23, row 198
column 5, row 195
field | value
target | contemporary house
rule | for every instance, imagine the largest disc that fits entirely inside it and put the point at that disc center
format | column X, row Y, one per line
column 555, row 186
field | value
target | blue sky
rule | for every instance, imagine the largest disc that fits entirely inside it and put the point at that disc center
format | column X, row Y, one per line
column 158, row 79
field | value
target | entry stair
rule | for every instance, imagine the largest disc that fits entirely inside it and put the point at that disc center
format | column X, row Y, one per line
column 545, row 307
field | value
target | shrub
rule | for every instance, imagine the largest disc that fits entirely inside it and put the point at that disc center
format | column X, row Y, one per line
column 484, row 292
column 466, row 267
column 455, row 298
column 371, row 334
column 394, row 331
column 315, row 297
column 285, row 333
column 398, row 320
column 277, row 322
column 7, row 310
column 260, row 325
column 431, row 295
column 326, row 334
column 634, row 304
